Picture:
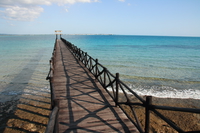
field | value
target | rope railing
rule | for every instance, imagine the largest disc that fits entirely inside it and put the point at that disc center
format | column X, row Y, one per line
column 115, row 87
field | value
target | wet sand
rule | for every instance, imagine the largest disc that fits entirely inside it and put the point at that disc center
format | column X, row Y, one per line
column 30, row 113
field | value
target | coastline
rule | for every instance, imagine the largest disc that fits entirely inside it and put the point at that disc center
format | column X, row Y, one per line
column 186, row 121
column 32, row 114
column 33, row 109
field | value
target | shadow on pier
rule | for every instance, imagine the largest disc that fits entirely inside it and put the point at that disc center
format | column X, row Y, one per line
column 84, row 106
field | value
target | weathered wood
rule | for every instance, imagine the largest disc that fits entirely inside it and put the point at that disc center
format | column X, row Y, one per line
column 147, row 110
column 84, row 106
column 51, row 124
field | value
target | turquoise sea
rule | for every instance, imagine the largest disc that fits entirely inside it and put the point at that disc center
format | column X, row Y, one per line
column 161, row 66
column 24, row 65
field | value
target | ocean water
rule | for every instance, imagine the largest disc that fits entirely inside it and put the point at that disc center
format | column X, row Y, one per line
column 24, row 64
column 151, row 65
column 160, row 66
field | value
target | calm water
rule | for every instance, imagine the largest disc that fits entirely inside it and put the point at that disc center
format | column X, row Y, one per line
column 24, row 64
column 151, row 65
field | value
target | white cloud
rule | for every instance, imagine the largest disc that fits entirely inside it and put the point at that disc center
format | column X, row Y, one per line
column 42, row 2
column 28, row 10
column 63, row 2
column 66, row 10
column 122, row 0
column 6, row 3
column 21, row 13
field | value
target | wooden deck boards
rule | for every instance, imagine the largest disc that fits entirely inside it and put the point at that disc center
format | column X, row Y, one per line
column 84, row 105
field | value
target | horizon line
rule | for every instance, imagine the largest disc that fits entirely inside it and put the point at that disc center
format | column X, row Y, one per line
column 1, row 34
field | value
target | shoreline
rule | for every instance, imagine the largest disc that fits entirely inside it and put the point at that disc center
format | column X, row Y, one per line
column 177, row 102
column 186, row 121
column 32, row 114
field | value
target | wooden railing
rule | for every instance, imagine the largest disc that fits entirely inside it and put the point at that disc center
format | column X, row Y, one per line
column 51, row 127
column 115, row 87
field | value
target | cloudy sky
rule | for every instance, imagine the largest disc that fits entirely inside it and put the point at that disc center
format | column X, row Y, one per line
column 124, row 17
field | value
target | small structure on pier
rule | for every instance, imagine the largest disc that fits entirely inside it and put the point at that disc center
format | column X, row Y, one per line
column 58, row 32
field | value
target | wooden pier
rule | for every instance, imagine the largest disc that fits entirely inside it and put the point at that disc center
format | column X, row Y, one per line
column 80, row 102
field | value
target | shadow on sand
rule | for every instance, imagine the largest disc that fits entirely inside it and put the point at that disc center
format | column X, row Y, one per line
column 31, row 115
column 24, row 111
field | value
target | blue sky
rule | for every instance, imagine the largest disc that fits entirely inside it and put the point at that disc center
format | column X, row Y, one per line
column 124, row 17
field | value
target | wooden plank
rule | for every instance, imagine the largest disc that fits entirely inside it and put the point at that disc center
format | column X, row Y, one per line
column 84, row 106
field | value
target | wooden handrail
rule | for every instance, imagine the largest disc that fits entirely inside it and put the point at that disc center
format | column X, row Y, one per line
column 54, row 103
column 51, row 127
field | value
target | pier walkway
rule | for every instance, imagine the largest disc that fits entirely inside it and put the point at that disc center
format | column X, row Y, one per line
column 83, row 104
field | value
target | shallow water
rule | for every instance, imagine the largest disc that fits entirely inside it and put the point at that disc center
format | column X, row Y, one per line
column 24, row 64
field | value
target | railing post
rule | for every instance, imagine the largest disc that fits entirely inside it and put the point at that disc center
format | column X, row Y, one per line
column 85, row 59
column 76, row 50
column 105, row 70
column 147, row 110
column 52, row 101
column 79, row 54
column 96, row 72
column 82, row 56
column 90, row 64
column 117, row 89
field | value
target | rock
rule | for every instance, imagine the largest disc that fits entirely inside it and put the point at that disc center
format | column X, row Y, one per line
column 30, row 127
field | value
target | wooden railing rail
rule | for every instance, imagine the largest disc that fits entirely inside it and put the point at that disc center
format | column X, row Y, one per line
column 51, row 127
column 115, row 87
